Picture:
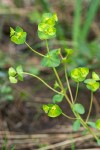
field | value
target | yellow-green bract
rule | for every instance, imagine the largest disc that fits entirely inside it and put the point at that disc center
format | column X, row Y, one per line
column 95, row 76
column 46, row 28
column 92, row 85
column 79, row 74
column 18, row 36
column 15, row 74
column 52, row 110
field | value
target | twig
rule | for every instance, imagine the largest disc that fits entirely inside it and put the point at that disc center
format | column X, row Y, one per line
column 66, row 142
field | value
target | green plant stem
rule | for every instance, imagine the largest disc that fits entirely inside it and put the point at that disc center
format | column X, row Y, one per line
column 47, row 46
column 69, row 88
column 34, row 50
column 56, row 73
column 54, row 69
column 85, row 125
column 91, row 102
column 58, row 78
column 42, row 82
column 76, row 92
column 61, row 86
column 68, row 116
column 68, row 100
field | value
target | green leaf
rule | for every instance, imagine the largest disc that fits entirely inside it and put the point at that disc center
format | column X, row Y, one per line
column 79, row 74
column 52, row 110
column 12, row 79
column 47, row 16
column 92, row 124
column 19, row 29
column 95, row 76
column 57, row 98
column 69, row 51
column 20, row 73
column 76, row 125
column 46, row 108
column 92, row 85
column 52, row 59
column 78, row 108
column 98, row 124
column 18, row 36
column 11, row 31
column 12, row 72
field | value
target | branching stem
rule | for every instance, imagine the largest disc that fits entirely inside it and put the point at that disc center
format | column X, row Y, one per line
column 34, row 50
column 69, row 88
column 67, row 116
column 42, row 82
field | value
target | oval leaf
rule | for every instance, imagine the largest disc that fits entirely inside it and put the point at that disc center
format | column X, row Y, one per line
column 57, row 98
column 13, row 79
column 12, row 72
column 92, row 124
column 79, row 108
column 45, row 108
column 76, row 125
column 20, row 73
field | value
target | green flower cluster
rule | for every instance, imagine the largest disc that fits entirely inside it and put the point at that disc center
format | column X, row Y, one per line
column 52, row 110
column 15, row 74
column 46, row 29
column 79, row 74
column 18, row 36
column 93, row 83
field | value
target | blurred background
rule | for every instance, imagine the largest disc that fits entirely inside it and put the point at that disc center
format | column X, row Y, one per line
column 23, row 125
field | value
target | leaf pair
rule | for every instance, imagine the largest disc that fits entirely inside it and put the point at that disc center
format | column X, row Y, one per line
column 46, row 29
column 18, row 36
column 15, row 75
